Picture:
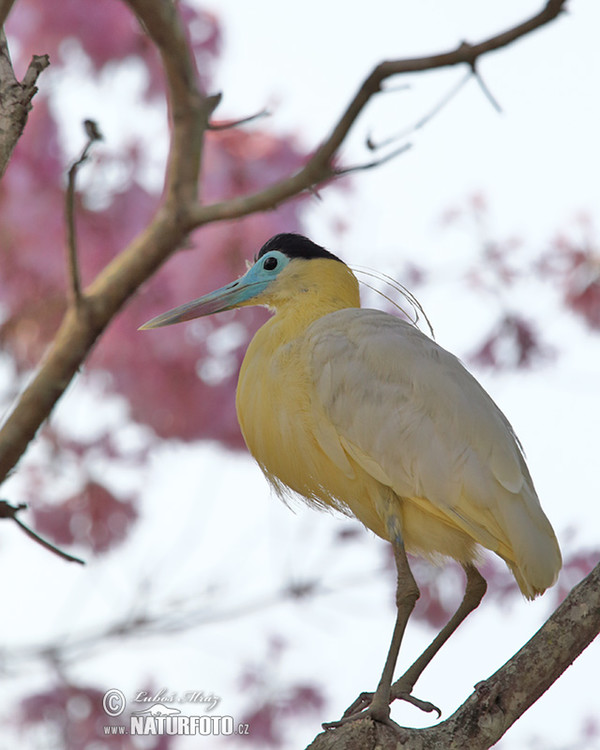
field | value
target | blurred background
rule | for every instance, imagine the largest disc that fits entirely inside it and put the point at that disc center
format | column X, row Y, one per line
column 197, row 579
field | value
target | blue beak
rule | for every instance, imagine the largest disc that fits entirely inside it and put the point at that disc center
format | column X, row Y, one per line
column 228, row 297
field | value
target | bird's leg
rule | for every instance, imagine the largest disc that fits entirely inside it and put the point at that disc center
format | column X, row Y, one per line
column 474, row 592
column 402, row 688
column 407, row 594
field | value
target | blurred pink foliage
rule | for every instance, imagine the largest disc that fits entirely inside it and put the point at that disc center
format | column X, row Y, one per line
column 274, row 700
column 503, row 268
column 514, row 342
column 108, row 33
column 72, row 715
column 573, row 262
column 92, row 518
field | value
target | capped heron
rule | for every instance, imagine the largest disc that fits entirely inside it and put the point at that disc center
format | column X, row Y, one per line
column 357, row 410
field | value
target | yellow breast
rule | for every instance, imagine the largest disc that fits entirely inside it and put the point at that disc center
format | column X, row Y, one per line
column 282, row 422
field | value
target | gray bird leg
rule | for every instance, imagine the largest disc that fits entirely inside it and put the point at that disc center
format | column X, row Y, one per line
column 407, row 594
column 474, row 592
column 402, row 688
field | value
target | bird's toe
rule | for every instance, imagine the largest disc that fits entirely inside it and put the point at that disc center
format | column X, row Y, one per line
column 363, row 701
column 425, row 706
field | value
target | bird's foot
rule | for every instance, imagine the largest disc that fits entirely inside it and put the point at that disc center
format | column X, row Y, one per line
column 364, row 700
column 375, row 710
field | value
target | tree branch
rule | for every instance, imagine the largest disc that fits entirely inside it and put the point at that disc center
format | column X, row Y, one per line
column 15, row 97
column 5, row 8
column 229, row 124
column 10, row 511
column 500, row 700
column 72, row 256
column 319, row 168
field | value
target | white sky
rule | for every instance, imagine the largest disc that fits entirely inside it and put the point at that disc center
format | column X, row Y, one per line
column 208, row 517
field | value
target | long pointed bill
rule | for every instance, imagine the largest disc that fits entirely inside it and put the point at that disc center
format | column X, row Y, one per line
column 228, row 297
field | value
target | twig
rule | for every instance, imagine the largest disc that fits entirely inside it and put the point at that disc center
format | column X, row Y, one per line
column 374, row 163
column 93, row 134
column 10, row 511
column 228, row 124
column 484, row 87
column 446, row 99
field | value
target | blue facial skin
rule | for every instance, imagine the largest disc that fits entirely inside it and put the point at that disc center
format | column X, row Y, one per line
column 252, row 283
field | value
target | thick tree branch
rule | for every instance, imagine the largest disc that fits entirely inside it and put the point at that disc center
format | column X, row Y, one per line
column 190, row 109
column 15, row 97
column 5, row 8
column 501, row 699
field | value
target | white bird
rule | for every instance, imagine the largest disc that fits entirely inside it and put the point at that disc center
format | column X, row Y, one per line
column 357, row 410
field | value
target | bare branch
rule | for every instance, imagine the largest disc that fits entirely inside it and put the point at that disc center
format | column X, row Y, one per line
column 374, row 163
column 501, row 699
column 485, row 88
column 15, row 97
column 10, row 511
column 190, row 108
column 72, row 258
column 427, row 117
column 228, row 124
column 319, row 167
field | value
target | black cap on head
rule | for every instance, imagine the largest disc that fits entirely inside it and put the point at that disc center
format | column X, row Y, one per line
column 295, row 246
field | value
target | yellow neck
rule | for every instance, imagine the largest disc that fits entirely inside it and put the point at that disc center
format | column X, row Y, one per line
column 308, row 290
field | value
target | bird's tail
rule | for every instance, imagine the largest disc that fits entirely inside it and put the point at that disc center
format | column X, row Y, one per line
column 535, row 560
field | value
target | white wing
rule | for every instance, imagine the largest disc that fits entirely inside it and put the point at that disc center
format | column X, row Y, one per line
column 413, row 417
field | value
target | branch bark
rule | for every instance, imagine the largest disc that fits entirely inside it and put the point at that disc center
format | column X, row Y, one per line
column 180, row 211
column 5, row 8
column 15, row 97
column 499, row 701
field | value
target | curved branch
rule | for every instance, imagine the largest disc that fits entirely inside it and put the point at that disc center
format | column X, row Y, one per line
column 320, row 166
column 500, row 700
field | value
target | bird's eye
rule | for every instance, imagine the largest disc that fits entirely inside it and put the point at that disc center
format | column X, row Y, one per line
column 270, row 263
